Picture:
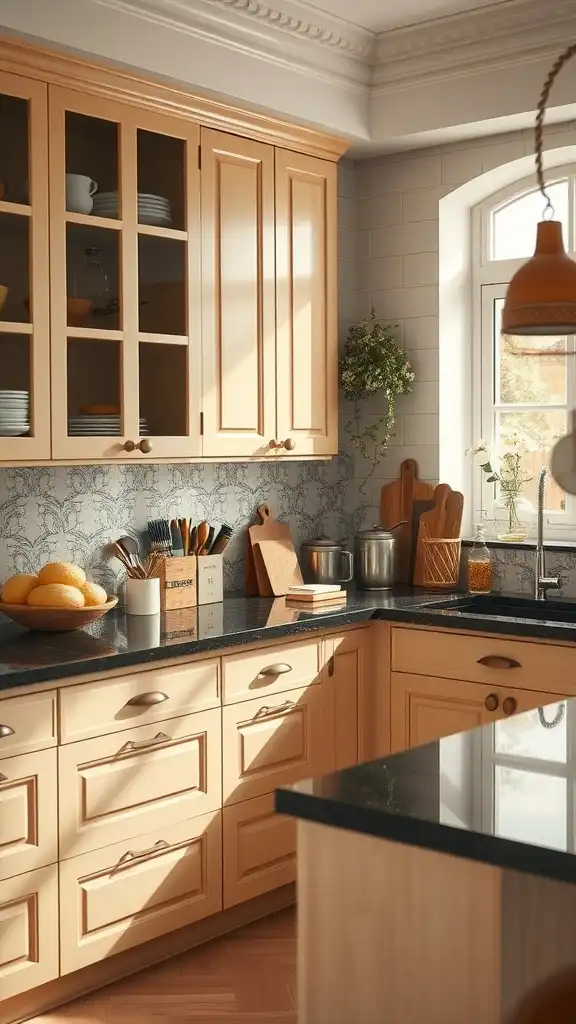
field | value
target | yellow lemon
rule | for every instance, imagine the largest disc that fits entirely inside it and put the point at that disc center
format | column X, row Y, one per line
column 62, row 572
column 94, row 594
column 17, row 588
column 56, row 595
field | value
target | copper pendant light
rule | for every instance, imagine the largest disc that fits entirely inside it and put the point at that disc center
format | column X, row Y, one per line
column 541, row 297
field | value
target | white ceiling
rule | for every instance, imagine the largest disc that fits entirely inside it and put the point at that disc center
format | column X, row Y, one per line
column 381, row 15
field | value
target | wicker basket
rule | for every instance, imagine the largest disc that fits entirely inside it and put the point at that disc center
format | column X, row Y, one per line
column 441, row 562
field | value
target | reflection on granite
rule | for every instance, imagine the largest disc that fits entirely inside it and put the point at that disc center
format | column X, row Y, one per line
column 120, row 640
column 448, row 796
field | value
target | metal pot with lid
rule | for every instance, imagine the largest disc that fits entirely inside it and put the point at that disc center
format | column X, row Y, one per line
column 375, row 558
column 325, row 561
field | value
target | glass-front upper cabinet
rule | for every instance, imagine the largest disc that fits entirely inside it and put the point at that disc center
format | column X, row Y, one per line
column 24, row 289
column 124, row 222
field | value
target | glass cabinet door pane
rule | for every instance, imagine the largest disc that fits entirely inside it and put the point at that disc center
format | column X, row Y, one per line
column 92, row 176
column 163, row 372
column 92, row 278
column 15, row 285
column 15, row 384
column 94, row 390
column 162, row 286
column 161, row 176
column 14, row 149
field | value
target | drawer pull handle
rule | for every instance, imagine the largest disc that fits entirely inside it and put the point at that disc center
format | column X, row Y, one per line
column 491, row 703
column 265, row 711
column 497, row 661
column 276, row 670
column 160, row 737
column 5, row 731
column 509, row 705
column 147, row 700
column 136, row 854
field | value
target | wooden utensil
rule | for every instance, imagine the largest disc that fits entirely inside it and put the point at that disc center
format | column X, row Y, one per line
column 396, row 504
column 202, row 536
column 269, row 529
column 434, row 523
column 281, row 564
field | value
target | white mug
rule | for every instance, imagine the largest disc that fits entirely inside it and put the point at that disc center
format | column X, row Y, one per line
column 79, row 192
column 143, row 596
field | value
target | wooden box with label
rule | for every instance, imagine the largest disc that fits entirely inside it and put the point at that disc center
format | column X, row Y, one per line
column 210, row 579
column 178, row 578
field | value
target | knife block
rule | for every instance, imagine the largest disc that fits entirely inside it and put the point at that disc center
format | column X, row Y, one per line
column 178, row 583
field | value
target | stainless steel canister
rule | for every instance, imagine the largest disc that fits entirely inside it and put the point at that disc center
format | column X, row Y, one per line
column 375, row 558
column 324, row 561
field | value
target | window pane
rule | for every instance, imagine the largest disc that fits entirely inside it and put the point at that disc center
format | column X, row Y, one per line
column 523, row 379
column 525, row 736
column 513, row 227
column 540, row 429
column 516, row 793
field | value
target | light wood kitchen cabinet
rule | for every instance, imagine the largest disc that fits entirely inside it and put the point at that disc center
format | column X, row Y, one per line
column 122, row 895
column 259, row 849
column 270, row 670
column 28, row 723
column 306, row 304
column 28, row 931
column 24, row 280
column 115, row 787
column 238, row 278
column 125, row 280
column 426, row 708
column 271, row 742
column 28, row 812
column 351, row 707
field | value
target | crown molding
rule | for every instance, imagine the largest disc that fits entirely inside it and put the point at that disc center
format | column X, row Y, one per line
column 507, row 33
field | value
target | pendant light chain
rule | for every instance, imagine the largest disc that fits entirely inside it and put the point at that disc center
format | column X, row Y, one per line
column 539, row 128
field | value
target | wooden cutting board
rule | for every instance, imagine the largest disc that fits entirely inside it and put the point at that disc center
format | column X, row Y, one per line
column 269, row 529
column 281, row 565
column 442, row 520
column 396, row 504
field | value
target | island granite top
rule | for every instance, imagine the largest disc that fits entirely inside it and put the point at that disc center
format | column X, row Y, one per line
column 466, row 795
column 120, row 640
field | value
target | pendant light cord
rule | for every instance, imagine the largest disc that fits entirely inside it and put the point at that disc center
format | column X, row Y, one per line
column 539, row 128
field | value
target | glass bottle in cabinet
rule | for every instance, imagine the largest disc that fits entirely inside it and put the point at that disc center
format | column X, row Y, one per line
column 479, row 570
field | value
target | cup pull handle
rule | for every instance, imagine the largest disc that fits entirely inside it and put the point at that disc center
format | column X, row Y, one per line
column 147, row 700
column 349, row 572
column 136, row 854
column 5, row 731
column 498, row 661
column 160, row 737
column 276, row 670
column 265, row 712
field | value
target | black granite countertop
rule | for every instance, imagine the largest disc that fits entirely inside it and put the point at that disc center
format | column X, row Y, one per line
column 502, row 794
column 120, row 640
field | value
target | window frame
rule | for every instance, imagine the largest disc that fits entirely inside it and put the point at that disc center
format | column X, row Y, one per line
column 490, row 279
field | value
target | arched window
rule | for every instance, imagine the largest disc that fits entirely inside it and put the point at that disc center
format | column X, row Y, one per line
column 514, row 392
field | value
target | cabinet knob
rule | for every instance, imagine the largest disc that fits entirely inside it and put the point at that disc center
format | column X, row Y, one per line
column 509, row 705
column 289, row 444
column 145, row 446
column 491, row 703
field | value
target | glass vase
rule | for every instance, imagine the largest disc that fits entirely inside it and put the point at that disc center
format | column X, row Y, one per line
column 513, row 517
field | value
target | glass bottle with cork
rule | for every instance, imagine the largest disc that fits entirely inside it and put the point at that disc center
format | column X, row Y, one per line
column 479, row 571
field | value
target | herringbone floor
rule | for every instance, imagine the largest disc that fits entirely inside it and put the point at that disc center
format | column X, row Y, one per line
column 247, row 977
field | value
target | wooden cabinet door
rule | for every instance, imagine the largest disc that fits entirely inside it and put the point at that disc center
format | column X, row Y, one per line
column 28, row 812
column 238, row 314
column 272, row 742
column 426, row 708
column 125, row 281
column 115, row 787
column 306, row 304
column 259, row 849
column 126, row 894
column 345, row 682
column 24, row 281
column 28, row 931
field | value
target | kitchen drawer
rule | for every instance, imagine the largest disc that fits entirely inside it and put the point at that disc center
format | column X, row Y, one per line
column 28, row 812
column 123, row 785
column 111, row 705
column 31, row 720
column 481, row 659
column 128, row 893
column 259, row 849
column 273, row 742
column 28, row 931
column 271, row 670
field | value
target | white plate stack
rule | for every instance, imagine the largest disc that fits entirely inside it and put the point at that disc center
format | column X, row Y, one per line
column 14, row 413
column 151, row 209
column 101, row 426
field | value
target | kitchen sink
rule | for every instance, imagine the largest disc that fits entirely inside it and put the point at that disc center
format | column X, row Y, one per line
column 494, row 605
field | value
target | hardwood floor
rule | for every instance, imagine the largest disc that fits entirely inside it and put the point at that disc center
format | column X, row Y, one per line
column 247, row 977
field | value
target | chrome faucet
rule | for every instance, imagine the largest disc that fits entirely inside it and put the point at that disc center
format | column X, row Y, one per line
column 542, row 583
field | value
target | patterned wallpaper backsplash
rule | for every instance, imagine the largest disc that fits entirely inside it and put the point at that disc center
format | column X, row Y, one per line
column 73, row 512
column 514, row 570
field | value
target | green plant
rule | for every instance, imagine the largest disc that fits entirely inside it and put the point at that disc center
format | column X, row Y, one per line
column 373, row 362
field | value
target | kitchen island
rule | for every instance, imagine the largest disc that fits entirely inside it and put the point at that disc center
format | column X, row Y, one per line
column 438, row 885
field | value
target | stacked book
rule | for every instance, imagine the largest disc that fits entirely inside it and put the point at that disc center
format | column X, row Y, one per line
column 316, row 595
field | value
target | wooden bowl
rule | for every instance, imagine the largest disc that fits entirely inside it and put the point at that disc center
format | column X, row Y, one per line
column 3, row 295
column 55, row 620
column 78, row 311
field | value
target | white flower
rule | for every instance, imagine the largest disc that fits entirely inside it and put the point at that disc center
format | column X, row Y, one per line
column 479, row 453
